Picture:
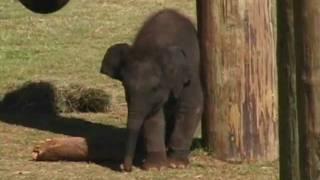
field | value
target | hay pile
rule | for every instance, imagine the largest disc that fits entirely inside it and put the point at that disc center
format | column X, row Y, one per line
column 76, row 98
column 44, row 97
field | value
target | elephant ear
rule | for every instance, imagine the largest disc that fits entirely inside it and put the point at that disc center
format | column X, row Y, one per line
column 114, row 59
column 179, row 71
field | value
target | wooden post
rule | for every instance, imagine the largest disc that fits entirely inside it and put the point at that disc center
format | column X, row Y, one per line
column 307, row 34
column 288, row 121
column 237, row 41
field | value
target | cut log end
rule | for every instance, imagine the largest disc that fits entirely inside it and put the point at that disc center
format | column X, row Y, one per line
column 78, row 149
column 70, row 148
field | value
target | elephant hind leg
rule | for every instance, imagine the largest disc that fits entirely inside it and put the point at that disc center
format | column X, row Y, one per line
column 186, row 123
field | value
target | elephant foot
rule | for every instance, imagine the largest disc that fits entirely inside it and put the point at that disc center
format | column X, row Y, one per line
column 178, row 163
column 155, row 161
column 178, row 159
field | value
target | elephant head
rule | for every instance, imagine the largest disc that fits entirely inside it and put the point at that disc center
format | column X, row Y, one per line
column 149, row 77
column 44, row 6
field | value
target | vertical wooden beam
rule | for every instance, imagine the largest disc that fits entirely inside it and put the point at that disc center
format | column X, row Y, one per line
column 307, row 24
column 237, row 41
column 206, row 31
column 288, row 120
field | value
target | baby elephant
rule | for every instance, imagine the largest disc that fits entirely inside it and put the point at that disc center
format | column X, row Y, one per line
column 160, row 75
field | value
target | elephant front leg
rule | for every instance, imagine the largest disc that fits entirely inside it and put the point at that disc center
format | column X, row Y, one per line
column 186, row 123
column 154, row 134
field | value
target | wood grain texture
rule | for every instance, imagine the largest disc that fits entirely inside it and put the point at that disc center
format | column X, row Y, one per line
column 240, row 78
column 307, row 23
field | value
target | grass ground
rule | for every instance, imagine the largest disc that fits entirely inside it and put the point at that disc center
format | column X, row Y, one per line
column 66, row 48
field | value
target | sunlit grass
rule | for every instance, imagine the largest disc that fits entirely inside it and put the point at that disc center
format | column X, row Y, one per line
column 66, row 48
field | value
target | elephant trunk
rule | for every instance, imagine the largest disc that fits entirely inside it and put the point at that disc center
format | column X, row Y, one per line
column 135, row 121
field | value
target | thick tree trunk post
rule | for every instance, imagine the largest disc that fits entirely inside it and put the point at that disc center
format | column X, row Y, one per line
column 288, row 121
column 307, row 31
column 237, row 41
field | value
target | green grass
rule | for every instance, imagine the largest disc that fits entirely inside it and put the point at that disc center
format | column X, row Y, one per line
column 67, row 48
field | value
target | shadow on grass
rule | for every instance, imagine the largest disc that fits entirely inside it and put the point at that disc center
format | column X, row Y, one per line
column 94, row 133
column 34, row 106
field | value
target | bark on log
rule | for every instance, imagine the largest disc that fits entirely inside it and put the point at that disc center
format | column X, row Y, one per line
column 237, row 41
column 78, row 149
column 307, row 23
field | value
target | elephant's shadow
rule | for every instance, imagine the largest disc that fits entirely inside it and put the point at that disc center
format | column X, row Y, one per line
column 42, row 116
column 93, row 132
column 34, row 105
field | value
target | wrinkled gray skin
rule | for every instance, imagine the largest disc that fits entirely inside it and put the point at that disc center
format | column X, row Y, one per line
column 160, row 75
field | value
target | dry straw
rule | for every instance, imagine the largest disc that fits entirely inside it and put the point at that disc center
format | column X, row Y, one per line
column 44, row 97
